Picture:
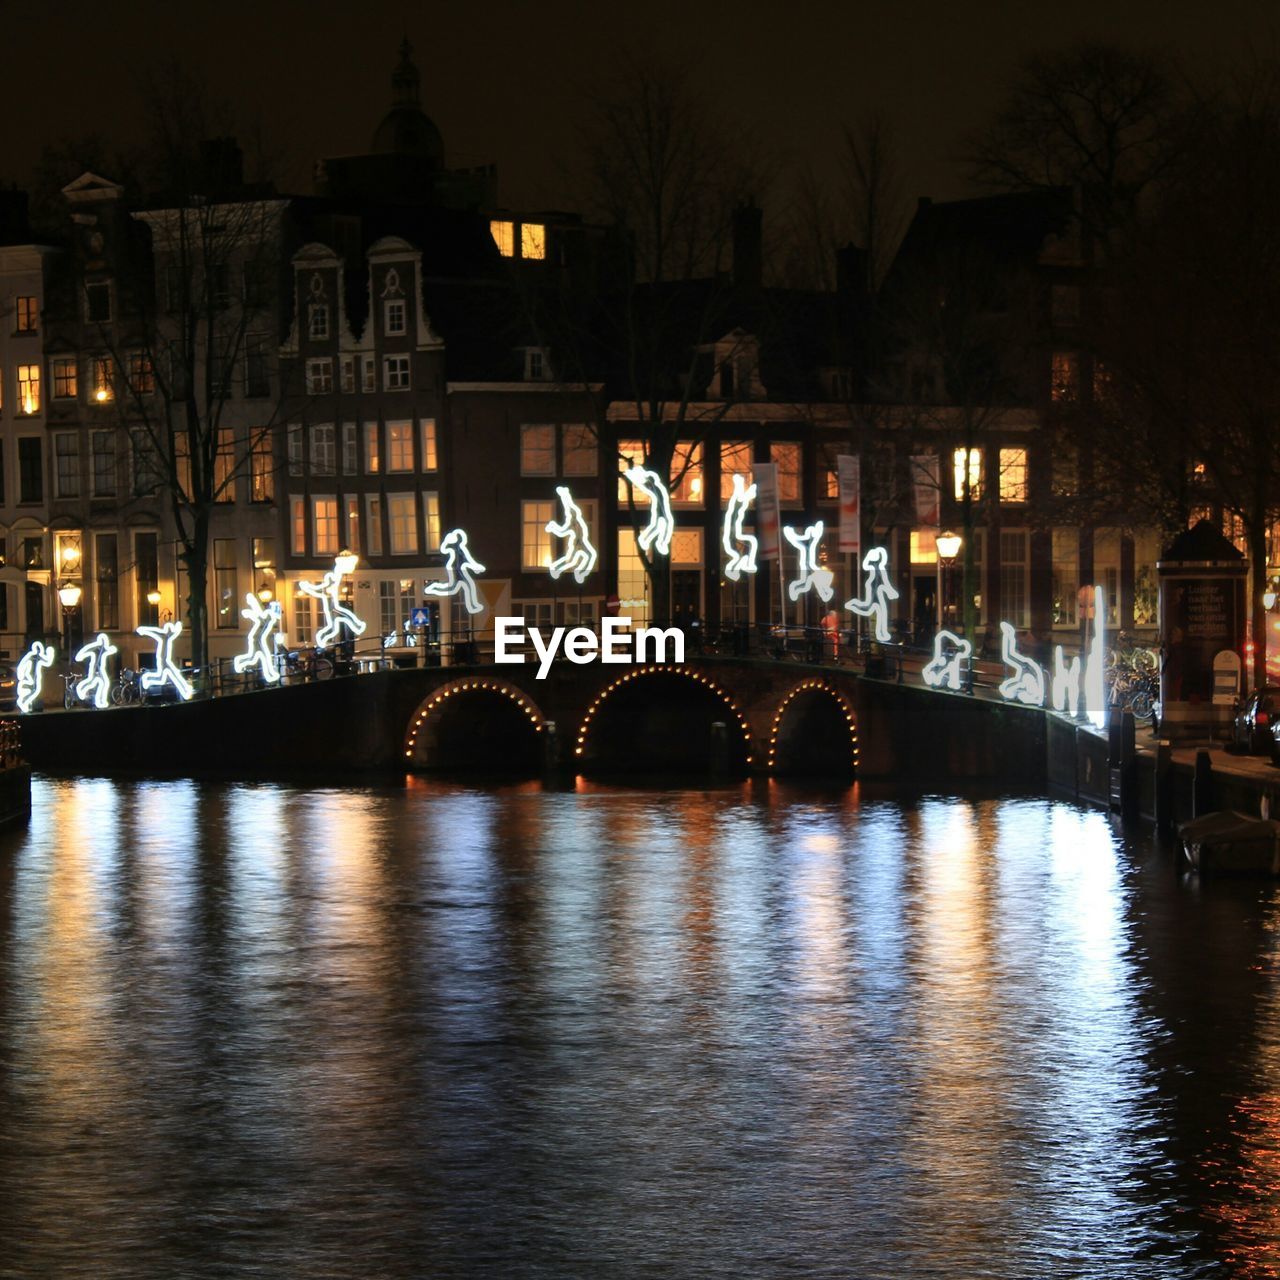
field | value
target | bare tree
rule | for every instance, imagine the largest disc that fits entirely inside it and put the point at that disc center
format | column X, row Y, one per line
column 1095, row 116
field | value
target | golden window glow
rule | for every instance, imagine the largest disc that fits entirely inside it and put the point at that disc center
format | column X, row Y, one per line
column 29, row 388
column 975, row 473
column 533, row 240
column 924, row 546
column 1013, row 475
column 504, row 236
column 102, row 390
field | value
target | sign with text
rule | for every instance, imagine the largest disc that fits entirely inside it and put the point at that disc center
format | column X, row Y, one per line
column 768, row 512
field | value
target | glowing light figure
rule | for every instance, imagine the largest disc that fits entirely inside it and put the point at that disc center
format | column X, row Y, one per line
column 95, row 687
column 809, row 575
column 460, row 568
column 36, row 659
column 166, row 670
column 579, row 555
column 1065, row 686
column 1026, row 685
column 945, row 670
column 338, row 617
column 264, row 633
column 734, row 535
column 1095, row 689
column 661, row 524
column 877, row 591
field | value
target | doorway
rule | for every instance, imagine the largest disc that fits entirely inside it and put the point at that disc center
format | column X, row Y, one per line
column 686, row 596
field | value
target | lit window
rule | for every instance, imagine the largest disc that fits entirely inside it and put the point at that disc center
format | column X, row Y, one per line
column 1013, row 475
column 319, row 377
column 630, row 454
column 431, row 518
column 261, row 469
column 924, row 546
column 106, row 574
column 372, row 458
column 351, row 534
column 373, row 524
column 298, row 526
column 503, row 234
column 28, row 315
column 324, row 525
column 395, row 373
column 829, row 475
column 28, row 388
column 580, row 453
column 301, row 617
column 535, row 541
column 142, row 378
column 65, row 380
column 403, row 519
column 399, row 446
column 226, row 587
column 395, row 316
column 972, row 475
column 429, row 462
column 224, row 466
column 1065, row 383
column 533, row 240
column 789, row 458
column 686, row 474
column 318, row 321
column 537, row 450
column 735, row 460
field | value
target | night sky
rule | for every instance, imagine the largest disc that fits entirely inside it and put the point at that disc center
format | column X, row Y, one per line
column 499, row 77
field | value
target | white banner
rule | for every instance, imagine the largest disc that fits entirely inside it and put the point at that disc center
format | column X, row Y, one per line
column 849, row 472
column 768, row 512
column 928, row 489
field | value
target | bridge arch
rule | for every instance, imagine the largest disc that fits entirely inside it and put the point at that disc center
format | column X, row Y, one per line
column 783, row 727
column 433, row 710
column 735, row 716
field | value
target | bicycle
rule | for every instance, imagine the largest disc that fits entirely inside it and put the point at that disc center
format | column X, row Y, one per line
column 70, row 698
column 127, row 688
column 299, row 666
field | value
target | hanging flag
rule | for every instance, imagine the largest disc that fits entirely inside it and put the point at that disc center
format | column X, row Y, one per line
column 768, row 512
column 928, row 488
column 849, row 473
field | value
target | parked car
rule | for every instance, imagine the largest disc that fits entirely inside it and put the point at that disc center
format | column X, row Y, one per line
column 1252, row 731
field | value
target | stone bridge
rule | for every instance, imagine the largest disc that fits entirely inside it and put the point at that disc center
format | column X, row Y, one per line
column 778, row 716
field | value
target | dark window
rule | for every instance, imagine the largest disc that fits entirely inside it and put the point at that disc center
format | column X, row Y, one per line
column 98, row 302
column 256, row 379
column 147, row 563
column 107, row 574
column 30, row 470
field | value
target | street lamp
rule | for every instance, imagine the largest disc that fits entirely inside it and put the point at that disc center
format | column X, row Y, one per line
column 69, row 598
column 948, row 545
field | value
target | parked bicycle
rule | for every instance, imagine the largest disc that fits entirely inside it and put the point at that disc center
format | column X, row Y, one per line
column 297, row 666
column 127, row 688
column 70, row 678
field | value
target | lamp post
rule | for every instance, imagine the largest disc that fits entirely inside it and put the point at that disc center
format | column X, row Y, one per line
column 948, row 545
column 69, row 598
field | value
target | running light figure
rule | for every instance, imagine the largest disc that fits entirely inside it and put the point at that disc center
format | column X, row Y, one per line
column 876, row 594
column 166, row 670
column 264, row 630
column 1026, row 685
column 337, row 616
column 1095, row 693
column 945, row 670
column 36, row 659
column 734, row 536
column 95, row 687
column 460, row 568
column 808, row 575
column 579, row 555
column 1066, row 683
column 657, row 532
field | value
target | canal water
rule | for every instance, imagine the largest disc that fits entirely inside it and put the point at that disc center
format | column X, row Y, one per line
column 442, row 1030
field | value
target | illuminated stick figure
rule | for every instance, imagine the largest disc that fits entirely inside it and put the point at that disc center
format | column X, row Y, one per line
column 876, row 593
column 1066, row 683
column 33, row 662
column 337, row 616
column 95, row 687
column 808, row 574
column 264, row 628
column 166, row 670
column 661, row 524
column 579, row 556
column 734, row 535
column 459, row 568
column 1026, row 685
column 945, row 669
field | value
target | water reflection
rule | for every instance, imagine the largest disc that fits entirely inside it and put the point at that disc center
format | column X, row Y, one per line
column 252, row 1030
